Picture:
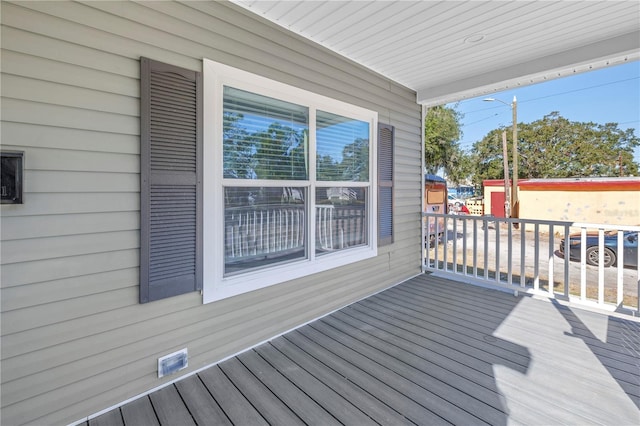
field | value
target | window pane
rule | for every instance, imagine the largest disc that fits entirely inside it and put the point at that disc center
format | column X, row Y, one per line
column 342, row 148
column 341, row 218
column 263, row 226
column 264, row 138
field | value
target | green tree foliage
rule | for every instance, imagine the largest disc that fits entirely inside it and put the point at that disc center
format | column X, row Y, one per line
column 355, row 161
column 441, row 147
column 238, row 152
column 279, row 153
column 354, row 165
column 555, row 147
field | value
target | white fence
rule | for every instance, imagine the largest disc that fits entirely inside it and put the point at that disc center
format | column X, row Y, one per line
column 488, row 250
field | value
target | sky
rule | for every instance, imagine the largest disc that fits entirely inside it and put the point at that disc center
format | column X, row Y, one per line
column 608, row 95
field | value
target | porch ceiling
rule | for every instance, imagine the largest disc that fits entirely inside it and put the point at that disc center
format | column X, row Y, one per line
column 452, row 50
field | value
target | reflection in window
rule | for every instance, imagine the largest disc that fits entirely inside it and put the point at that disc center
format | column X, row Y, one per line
column 263, row 225
column 341, row 218
column 263, row 137
column 342, row 152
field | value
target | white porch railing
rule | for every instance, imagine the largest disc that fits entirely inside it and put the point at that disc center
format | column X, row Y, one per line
column 278, row 231
column 488, row 250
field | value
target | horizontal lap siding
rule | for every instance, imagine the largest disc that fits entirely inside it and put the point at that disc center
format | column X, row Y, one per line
column 74, row 338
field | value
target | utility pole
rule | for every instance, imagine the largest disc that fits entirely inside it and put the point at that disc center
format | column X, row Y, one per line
column 514, row 181
column 620, row 163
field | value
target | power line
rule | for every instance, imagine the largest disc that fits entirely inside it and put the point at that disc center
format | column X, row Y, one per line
column 557, row 94
column 581, row 89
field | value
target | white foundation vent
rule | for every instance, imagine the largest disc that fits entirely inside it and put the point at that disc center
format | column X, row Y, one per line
column 173, row 362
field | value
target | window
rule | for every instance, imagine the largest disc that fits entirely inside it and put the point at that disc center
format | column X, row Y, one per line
column 289, row 182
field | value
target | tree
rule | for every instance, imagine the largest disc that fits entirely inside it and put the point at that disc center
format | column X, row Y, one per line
column 555, row 147
column 441, row 148
column 355, row 161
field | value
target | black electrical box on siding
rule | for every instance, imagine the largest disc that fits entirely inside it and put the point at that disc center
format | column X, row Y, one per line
column 12, row 175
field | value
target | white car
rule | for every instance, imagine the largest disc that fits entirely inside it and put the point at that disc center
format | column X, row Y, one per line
column 453, row 201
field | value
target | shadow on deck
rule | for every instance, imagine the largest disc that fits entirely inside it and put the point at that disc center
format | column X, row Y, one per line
column 428, row 351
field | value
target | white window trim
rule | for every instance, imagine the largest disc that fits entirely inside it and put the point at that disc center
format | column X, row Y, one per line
column 215, row 285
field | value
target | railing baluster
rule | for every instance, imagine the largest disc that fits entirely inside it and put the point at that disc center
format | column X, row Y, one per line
column 475, row 248
column 620, row 264
column 454, row 263
column 509, row 254
column 445, row 244
column 464, row 246
column 497, row 251
column 583, row 264
column 523, row 245
column 486, row 249
column 600, row 266
column 566, row 261
column 536, row 257
column 550, row 250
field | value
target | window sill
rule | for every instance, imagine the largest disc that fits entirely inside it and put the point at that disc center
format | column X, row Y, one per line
column 251, row 281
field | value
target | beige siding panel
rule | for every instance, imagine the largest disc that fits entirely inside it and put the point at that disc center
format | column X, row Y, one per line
column 78, row 161
column 25, row 296
column 41, row 91
column 38, row 68
column 38, row 136
column 55, row 335
column 67, row 52
column 75, row 340
column 65, row 30
column 21, row 111
column 62, row 203
column 53, row 247
column 23, row 227
column 73, row 181
column 28, row 318
column 18, row 274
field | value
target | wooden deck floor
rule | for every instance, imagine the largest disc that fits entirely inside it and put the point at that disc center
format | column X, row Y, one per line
column 429, row 351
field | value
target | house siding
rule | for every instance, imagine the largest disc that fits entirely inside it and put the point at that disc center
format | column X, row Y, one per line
column 75, row 340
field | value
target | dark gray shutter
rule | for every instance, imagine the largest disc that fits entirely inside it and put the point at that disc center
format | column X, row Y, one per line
column 171, row 180
column 385, row 184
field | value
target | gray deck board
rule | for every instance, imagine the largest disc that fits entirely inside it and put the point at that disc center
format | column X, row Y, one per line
column 200, row 403
column 415, row 361
column 438, row 396
column 236, row 406
column 268, row 405
column 428, row 351
column 374, row 408
column 110, row 418
column 377, row 385
column 341, row 409
column 139, row 412
column 309, row 411
column 170, row 408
